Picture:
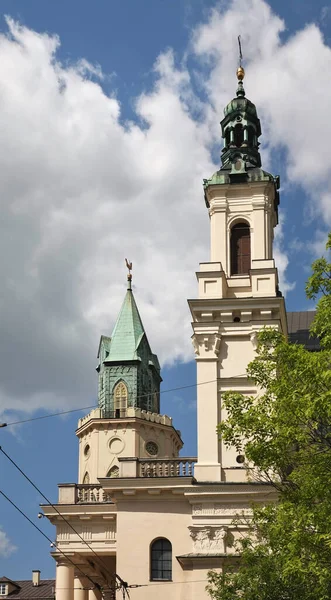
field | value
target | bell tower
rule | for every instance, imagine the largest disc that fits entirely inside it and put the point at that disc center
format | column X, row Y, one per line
column 127, row 425
column 238, row 288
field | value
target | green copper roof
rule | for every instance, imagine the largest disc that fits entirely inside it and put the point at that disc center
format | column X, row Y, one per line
column 127, row 333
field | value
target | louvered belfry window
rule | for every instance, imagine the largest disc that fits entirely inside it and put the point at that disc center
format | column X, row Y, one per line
column 240, row 249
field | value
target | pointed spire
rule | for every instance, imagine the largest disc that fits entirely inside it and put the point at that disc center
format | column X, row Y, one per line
column 128, row 329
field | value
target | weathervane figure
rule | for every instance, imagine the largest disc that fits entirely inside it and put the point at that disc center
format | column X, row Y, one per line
column 129, row 266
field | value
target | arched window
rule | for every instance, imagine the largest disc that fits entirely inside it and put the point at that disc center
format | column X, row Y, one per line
column 238, row 135
column 120, row 399
column 114, row 472
column 240, row 248
column 161, row 560
column 86, row 479
column 250, row 135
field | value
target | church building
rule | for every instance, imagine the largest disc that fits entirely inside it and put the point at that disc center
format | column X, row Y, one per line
column 141, row 508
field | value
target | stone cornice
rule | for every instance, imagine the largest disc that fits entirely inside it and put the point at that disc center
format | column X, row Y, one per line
column 123, row 422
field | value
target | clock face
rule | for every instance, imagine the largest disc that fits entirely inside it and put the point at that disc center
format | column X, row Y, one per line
column 152, row 448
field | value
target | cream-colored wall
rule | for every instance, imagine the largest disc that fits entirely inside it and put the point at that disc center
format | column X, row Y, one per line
column 139, row 523
column 231, row 203
column 111, row 439
column 229, row 313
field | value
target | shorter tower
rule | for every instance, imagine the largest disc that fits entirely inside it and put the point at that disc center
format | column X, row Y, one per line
column 127, row 425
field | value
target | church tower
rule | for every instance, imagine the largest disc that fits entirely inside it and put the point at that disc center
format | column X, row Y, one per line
column 238, row 288
column 127, row 423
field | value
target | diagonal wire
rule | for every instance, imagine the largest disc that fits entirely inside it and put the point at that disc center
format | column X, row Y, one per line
column 113, row 575
column 95, row 584
column 67, row 412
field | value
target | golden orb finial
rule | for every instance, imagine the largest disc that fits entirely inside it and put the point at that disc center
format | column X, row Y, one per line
column 240, row 73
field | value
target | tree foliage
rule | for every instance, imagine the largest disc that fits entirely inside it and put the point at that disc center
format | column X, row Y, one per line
column 286, row 434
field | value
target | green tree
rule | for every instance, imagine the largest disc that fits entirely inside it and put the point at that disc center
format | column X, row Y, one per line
column 286, row 435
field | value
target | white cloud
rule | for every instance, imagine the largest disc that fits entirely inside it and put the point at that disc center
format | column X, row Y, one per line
column 284, row 79
column 80, row 190
column 6, row 546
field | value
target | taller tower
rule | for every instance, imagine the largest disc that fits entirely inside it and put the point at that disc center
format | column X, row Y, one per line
column 238, row 288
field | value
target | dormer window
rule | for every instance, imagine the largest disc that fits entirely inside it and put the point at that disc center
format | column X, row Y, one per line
column 240, row 248
column 3, row 589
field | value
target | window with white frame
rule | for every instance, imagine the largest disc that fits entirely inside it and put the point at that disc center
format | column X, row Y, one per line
column 3, row 589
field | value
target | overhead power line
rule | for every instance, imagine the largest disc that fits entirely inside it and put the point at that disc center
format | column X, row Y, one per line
column 114, row 576
column 66, row 412
column 95, row 584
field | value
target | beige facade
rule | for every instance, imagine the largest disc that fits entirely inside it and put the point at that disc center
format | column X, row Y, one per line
column 136, row 498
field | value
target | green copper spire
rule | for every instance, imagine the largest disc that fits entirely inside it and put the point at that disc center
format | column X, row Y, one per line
column 241, row 129
column 127, row 367
column 128, row 330
column 240, row 157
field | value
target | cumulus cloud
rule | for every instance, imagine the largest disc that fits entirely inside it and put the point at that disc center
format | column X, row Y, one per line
column 6, row 546
column 80, row 189
column 287, row 82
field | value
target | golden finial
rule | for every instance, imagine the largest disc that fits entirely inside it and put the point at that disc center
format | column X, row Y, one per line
column 129, row 266
column 240, row 73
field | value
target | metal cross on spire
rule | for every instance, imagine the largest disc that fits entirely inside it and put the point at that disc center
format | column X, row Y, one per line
column 240, row 51
column 240, row 72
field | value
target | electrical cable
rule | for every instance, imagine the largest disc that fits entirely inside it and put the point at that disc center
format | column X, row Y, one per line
column 95, row 584
column 112, row 575
column 66, row 412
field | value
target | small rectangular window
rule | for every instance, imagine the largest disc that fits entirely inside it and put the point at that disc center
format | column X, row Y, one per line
column 3, row 589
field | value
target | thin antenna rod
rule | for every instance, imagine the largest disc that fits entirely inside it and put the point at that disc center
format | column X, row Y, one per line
column 240, row 52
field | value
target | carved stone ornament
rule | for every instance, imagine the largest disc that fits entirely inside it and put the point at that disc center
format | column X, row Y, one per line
column 253, row 338
column 217, row 344
column 209, row 540
column 195, row 345
column 216, row 509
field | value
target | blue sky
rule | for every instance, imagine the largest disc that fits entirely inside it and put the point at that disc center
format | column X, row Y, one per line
column 121, row 176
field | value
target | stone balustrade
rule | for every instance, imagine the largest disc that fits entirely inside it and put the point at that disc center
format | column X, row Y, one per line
column 72, row 493
column 173, row 467
column 88, row 494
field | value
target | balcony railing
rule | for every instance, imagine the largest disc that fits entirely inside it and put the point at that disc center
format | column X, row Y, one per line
column 88, row 494
column 174, row 467
column 84, row 493
column 73, row 493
